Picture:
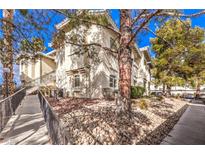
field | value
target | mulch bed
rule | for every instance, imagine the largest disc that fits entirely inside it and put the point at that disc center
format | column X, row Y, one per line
column 94, row 121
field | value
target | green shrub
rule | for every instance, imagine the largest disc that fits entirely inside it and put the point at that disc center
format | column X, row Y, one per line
column 143, row 104
column 177, row 96
column 137, row 91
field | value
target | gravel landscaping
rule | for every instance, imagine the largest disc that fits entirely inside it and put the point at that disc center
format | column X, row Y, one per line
column 94, row 121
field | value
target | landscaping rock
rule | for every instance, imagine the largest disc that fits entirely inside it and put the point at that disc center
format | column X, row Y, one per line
column 95, row 121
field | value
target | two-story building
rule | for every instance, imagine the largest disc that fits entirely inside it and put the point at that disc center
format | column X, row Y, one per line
column 93, row 72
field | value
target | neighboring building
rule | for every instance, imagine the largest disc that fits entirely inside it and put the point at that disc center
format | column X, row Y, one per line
column 143, row 72
column 79, row 75
column 177, row 90
column 35, row 68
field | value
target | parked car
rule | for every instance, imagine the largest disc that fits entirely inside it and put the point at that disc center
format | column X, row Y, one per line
column 158, row 94
column 202, row 96
column 189, row 96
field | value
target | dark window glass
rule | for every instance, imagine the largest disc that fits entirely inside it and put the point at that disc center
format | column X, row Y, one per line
column 77, row 81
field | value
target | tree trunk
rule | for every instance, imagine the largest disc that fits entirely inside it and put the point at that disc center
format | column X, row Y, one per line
column 197, row 89
column 8, row 84
column 125, row 63
column 163, row 89
column 168, row 93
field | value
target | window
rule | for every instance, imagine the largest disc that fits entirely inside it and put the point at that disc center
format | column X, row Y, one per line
column 144, row 83
column 113, row 81
column 77, row 81
column 135, row 82
column 113, row 43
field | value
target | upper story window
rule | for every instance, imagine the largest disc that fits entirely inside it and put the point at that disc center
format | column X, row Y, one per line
column 113, row 81
column 113, row 43
column 77, row 81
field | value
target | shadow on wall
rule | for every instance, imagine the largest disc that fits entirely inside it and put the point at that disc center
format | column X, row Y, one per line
column 85, row 58
column 24, row 77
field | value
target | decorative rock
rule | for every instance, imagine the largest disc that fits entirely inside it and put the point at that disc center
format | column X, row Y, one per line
column 96, row 122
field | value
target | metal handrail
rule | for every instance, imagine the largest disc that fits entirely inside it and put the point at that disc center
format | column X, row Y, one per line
column 43, row 77
column 9, row 105
column 55, row 127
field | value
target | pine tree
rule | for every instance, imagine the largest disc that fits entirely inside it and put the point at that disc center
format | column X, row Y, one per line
column 177, row 48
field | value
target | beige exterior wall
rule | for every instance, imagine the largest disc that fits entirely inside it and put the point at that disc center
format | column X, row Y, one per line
column 31, row 70
column 94, row 80
column 48, row 65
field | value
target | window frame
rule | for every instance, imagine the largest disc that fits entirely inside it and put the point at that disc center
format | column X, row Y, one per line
column 112, row 81
column 76, row 81
column 113, row 44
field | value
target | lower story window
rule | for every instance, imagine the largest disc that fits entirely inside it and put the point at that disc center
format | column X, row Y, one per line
column 77, row 81
column 135, row 82
column 113, row 81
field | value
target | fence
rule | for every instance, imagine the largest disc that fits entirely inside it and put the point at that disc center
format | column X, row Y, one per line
column 9, row 105
column 54, row 126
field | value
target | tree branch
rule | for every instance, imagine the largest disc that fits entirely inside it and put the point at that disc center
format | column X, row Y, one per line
column 88, row 21
column 143, row 24
column 138, row 17
column 88, row 45
column 174, row 14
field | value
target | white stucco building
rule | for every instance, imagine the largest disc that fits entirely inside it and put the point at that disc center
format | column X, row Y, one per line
column 31, row 69
column 94, row 73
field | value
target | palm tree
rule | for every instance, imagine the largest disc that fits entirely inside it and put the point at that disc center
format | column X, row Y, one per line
column 8, row 84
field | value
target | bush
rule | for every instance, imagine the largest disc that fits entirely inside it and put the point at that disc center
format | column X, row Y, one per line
column 178, row 96
column 137, row 91
column 143, row 104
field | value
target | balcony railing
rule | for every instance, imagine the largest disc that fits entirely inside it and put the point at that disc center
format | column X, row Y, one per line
column 43, row 80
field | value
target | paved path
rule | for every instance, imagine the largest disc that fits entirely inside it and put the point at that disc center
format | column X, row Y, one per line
column 27, row 126
column 190, row 129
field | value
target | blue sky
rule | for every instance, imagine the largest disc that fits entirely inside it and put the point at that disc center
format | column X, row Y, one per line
column 143, row 38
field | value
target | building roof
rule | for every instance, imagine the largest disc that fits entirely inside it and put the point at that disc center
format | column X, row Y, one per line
column 29, row 56
column 51, row 53
column 66, row 21
column 97, row 12
column 145, row 51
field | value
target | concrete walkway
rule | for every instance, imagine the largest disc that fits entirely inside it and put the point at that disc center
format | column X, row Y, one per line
column 190, row 129
column 27, row 126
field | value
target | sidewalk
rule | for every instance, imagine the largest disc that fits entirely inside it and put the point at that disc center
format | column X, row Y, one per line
column 27, row 126
column 190, row 129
